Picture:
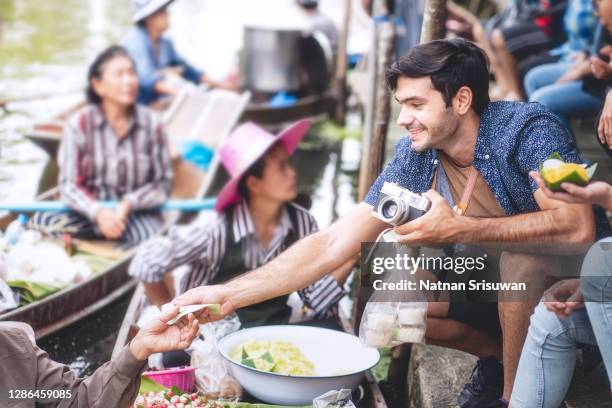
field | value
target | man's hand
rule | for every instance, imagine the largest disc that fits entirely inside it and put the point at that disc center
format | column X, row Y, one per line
column 110, row 224
column 207, row 294
column 597, row 192
column 564, row 297
column 439, row 225
column 158, row 336
column 604, row 127
column 600, row 68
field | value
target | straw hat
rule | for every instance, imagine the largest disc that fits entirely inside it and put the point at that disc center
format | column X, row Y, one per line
column 142, row 9
column 247, row 144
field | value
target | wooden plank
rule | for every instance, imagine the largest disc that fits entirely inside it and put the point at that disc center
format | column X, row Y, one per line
column 88, row 310
column 106, row 249
column 131, row 315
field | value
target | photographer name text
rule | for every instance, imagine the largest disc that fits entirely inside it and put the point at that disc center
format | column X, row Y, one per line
column 472, row 285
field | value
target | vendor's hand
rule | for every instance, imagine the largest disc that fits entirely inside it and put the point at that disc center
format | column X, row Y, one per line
column 207, row 294
column 159, row 337
column 564, row 297
column 604, row 128
column 164, row 87
column 230, row 84
column 439, row 225
column 110, row 224
column 123, row 210
column 596, row 192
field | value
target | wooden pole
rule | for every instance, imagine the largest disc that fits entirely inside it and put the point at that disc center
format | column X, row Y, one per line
column 342, row 66
column 379, row 109
column 368, row 120
column 374, row 146
column 434, row 21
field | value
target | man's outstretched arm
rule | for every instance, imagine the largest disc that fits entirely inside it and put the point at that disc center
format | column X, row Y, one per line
column 302, row 264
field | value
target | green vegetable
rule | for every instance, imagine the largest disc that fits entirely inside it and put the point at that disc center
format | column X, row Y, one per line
column 148, row 385
column 30, row 292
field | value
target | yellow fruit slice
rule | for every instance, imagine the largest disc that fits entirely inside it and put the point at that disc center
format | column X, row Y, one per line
column 556, row 174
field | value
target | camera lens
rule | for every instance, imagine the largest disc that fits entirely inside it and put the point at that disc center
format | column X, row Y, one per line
column 389, row 209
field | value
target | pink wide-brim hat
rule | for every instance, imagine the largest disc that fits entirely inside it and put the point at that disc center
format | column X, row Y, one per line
column 245, row 145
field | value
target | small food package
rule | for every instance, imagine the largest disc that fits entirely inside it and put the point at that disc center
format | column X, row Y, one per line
column 213, row 377
column 388, row 324
column 394, row 316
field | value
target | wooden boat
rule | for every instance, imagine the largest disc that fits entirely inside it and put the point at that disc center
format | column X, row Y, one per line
column 47, row 134
column 372, row 396
column 76, row 302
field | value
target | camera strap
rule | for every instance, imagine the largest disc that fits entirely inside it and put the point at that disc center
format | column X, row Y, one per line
column 462, row 207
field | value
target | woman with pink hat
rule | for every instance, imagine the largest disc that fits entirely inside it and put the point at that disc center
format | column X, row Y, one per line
column 257, row 222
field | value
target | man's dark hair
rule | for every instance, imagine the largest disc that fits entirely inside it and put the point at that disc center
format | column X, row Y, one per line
column 96, row 68
column 451, row 64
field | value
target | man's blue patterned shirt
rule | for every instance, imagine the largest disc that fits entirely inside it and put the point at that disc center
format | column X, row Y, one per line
column 513, row 139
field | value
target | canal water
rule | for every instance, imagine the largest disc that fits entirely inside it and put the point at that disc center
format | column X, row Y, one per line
column 45, row 47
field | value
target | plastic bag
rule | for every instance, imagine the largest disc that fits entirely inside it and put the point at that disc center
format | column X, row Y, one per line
column 8, row 300
column 388, row 324
column 341, row 398
column 392, row 317
column 213, row 377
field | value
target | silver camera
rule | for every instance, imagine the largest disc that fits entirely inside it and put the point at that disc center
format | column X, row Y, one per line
column 397, row 205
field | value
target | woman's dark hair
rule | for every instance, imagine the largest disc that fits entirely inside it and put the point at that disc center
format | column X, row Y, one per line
column 451, row 64
column 256, row 170
column 96, row 68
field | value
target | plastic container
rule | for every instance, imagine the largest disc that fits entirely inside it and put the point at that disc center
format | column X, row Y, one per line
column 388, row 324
column 181, row 377
column 15, row 228
column 413, row 313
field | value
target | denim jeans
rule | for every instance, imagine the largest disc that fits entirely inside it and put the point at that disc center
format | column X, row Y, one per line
column 547, row 362
column 564, row 100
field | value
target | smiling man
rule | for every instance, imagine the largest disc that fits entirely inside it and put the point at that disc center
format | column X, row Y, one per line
column 456, row 139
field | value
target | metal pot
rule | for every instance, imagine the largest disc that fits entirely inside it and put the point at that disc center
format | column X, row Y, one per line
column 271, row 59
column 276, row 60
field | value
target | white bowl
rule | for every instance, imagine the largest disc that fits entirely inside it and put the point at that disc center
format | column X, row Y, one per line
column 340, row 361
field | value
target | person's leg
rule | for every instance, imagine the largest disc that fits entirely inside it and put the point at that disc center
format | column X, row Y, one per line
column 482, row 39
column 514, row 314
column 506, row 67
column 566, row 100
column 596, row 286
column 58, row 223
column 528, row 63
column 513, row 44
column 447, row 332
column 547, row 362
column 544, row 75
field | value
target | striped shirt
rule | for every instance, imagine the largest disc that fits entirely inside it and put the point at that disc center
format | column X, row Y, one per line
column 95, row 164
column 202, row 247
